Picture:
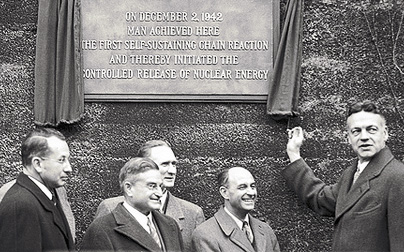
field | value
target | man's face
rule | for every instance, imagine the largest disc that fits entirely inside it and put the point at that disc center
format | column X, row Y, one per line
column 144, row 190
column 55, row 167
column 241, row 192
column 164, row 157
column 367, row 134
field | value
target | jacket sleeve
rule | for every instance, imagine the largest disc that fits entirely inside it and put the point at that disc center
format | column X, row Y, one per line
column 200, row 217
column 20, row 228
column 311, row 190
column 274, row 241
column 96, row 239
column 202, row 241
column 102, row 209
column 395, row 213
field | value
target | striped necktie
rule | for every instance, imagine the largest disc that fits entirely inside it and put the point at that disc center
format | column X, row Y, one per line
column 247, row 230
column 153, row 232
column 356, row 175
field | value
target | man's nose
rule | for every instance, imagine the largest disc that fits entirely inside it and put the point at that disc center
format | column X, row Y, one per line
column 68, row 167
column 364, row 135
column 251, row 191
column 172, row 169
column 159, row 191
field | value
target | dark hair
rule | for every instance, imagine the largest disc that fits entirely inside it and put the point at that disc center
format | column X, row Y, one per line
column 223, row 178
column 366, row 106
column 36, row 144
column 135, row 166
column 144, row 150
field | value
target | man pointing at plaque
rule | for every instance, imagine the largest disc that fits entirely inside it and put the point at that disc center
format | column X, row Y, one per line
column 368, row 200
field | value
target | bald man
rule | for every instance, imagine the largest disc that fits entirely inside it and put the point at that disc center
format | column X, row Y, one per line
column 232, row 228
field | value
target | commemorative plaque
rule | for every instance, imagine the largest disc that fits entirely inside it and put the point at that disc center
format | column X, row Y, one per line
column 178, row 50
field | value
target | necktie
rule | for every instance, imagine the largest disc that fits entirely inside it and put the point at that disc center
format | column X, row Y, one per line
column 356, row 175
column 153, row 232
column 54, row 200
column 247, row 230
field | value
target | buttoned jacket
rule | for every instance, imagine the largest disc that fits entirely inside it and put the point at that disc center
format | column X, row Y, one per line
column 29, row 221
column 221, row 233
column 61, row 192
column 368, row 215
column 120, row 231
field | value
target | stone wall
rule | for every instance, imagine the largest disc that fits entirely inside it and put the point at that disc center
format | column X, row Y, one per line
column 351, row 51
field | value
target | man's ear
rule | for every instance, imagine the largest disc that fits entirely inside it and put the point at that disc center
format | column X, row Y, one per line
column 386, row 133
column 223, row 191
column 37, row 164
column 127, row 186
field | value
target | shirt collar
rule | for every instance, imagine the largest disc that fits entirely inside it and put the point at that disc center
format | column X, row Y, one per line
column 362, row 166
column 237, row 220
column 41, row 186
column 140, row 217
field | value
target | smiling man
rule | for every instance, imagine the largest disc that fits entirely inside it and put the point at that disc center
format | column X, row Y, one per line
column 367, row 202
column 31, row 217
column 136, row 224
column 187, row 214
column 232, row 228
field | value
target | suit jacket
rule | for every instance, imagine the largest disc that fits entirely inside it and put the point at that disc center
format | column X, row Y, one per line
column 30, row 222
column 187, row 214
column 368, row 215
column 119, row 231
column 221, row 233
column 61, row 193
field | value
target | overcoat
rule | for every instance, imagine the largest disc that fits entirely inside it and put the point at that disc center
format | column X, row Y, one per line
column 368, row 215
column 221, row 233
column 187, row 214
column 29, row 221
column 62, row 194
column 120, row 231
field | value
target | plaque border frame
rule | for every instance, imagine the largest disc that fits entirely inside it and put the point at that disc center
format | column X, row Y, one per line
column 231, row 98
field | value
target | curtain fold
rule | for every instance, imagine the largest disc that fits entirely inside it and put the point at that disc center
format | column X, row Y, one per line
column 58, row 95
column 284, row 87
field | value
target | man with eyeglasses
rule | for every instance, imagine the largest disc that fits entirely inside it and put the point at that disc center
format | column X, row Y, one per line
column 136, row 224
column 31, row 217
column 64, row 202
column 187, row 214
column 367, row 202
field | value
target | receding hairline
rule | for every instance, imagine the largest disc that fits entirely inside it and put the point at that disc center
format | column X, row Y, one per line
column 224, row 175
column 383, row 119
column 145, row 149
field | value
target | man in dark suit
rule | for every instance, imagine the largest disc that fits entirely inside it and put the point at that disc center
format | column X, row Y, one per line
column 187, row 214
column 232, row 228
column 367, row 202
column 31, row 218
column 136, row 224
column 64, row 202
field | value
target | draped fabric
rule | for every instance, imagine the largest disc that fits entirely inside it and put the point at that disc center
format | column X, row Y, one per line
column 284, row 87
column 59, row 94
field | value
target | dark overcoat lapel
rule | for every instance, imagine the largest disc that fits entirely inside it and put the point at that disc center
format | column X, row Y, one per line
column 47, row 204
column 349, row 193
column 129, row 227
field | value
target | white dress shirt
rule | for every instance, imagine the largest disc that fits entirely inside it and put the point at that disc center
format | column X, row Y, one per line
column 237, row 220
column 41, row 186
column 362, row 166
column 140, row 217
